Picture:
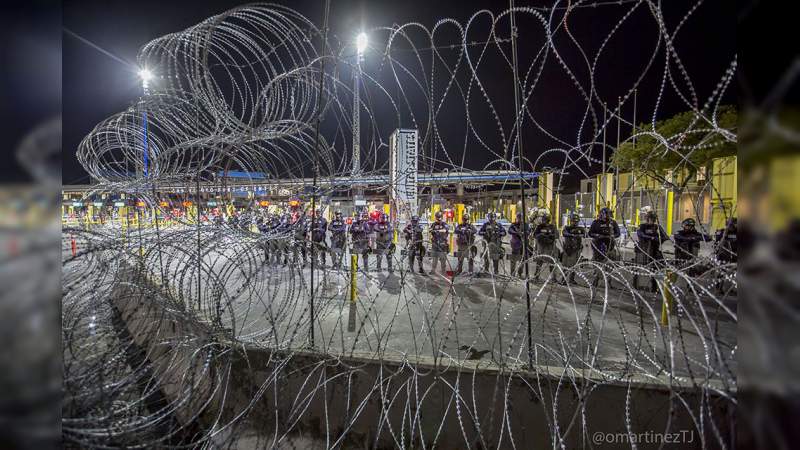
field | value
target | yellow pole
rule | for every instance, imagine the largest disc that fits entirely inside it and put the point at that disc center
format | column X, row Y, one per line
column 557, row 212
column 670, row 201
column 434, row 208
column 353, row 271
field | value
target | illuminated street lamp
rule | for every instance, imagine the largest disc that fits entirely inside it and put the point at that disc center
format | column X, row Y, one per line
column 361, row 45
column 145, row 75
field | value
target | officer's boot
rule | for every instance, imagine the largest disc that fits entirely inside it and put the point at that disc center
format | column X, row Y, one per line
column 380, row 262
column 471, row 266
column 366, row 262
column 460, row 265
column 513, row 268
column 389, row 263
column 496, row 264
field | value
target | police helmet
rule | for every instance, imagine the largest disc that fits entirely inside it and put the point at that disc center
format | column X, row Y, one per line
column 438, row 215
column 689, row 224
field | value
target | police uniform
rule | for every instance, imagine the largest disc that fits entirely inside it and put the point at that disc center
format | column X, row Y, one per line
column 299, row 234
column 572, row 247
column 319, row 227
column 383, row 243
column 338, row 230
column 359, row 232
column 414, row 245
column 520, row 244
column 545, row 235
column 492, row 233
column 440, row 246
column 465, row 241
column 603, row 234
column 687, row 246
column 648, row 250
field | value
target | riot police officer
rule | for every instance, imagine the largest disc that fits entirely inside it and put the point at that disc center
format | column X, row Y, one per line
column 284, row 230
column 572, row 244
column 300, row 236
column 384, row 246
column 319, row 227
column 725, row 240
column 687, row 243
column 648, row 248
column 270, row 230
column 263, row 229
column 414, row 245
column 440, row 232
column 604, row 231
column 359, row 233
column 520, row 242
column 545, row 234
column 338, row 229
column 492, row 233
column 465, row 240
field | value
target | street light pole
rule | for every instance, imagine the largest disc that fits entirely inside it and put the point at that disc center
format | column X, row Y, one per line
column 361, row 45
column 146, row 76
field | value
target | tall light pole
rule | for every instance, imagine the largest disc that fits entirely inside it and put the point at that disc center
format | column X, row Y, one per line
column 361, row 45
column 145, row 76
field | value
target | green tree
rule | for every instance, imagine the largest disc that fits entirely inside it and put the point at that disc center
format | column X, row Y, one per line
column 685, row 141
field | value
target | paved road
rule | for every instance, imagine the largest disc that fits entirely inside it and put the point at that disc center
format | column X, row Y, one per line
column 470, row 317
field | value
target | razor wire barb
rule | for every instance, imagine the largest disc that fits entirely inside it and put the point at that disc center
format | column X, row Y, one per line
column 186, row 333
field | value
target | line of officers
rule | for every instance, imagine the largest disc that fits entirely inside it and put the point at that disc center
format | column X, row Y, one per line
column 296, row 236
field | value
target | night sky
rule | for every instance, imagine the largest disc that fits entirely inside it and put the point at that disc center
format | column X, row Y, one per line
column 96, row 86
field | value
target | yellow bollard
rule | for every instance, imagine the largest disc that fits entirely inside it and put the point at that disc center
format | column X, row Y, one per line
column 670, row 202
column 351, row 316
column 353, row 272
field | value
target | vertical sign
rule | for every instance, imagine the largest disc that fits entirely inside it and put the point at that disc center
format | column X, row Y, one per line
column 403, row 173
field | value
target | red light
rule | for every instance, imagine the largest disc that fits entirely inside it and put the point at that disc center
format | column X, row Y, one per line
column 187, row 204
column 348, row 220
column 294, row 203
column 264, row 203
column 449, row 214
column 163, row 204
column 140, row 204
column 375, row 214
